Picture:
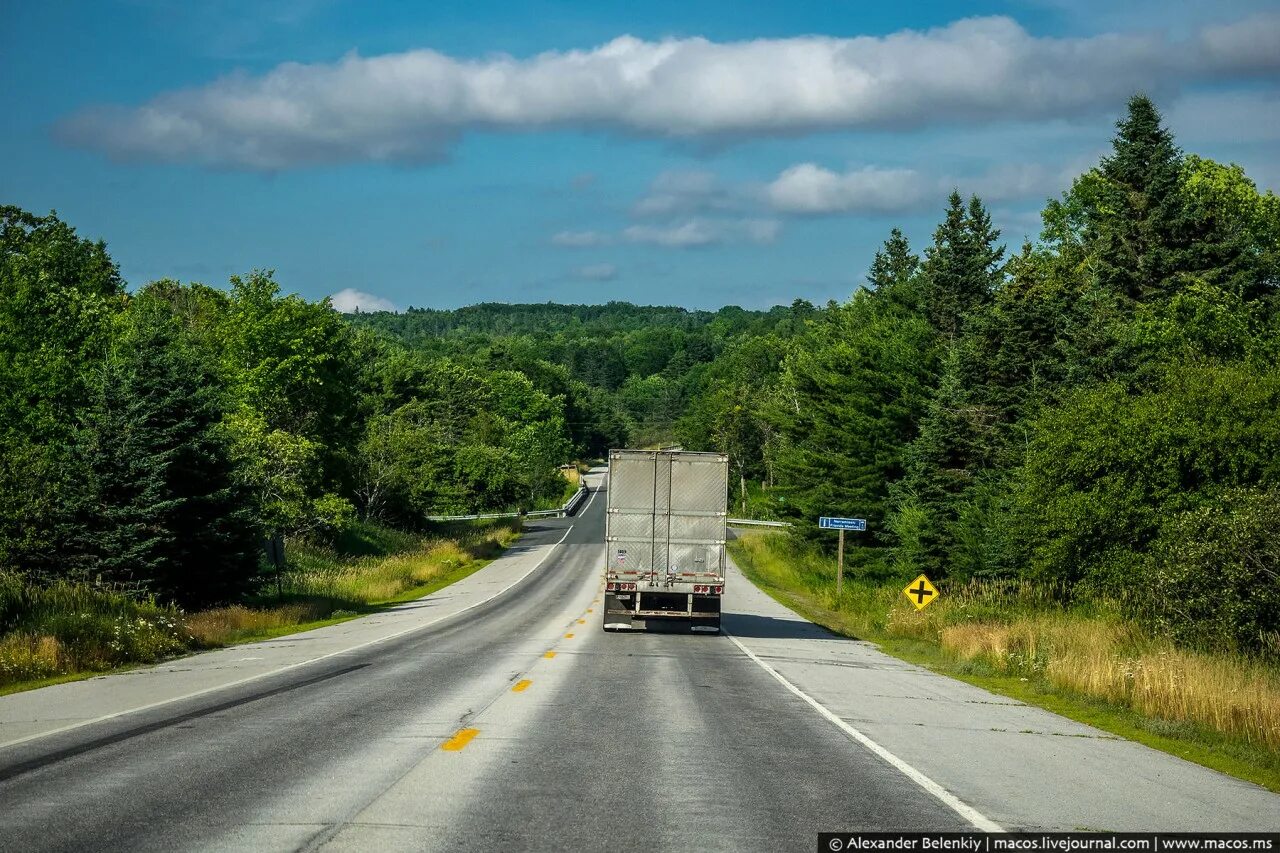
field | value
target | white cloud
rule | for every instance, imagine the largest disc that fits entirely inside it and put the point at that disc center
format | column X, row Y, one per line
column 597, row 272
column 413, row 106
column 696, row 233
column 808, row 188
column 580, row 239
column 685, row 192
column 350, row 300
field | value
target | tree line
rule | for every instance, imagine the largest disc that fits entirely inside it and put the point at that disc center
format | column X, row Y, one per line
column 152, row 440
column 1099, row 411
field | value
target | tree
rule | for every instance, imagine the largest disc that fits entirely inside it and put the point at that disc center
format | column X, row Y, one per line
column 961, row 267
column 161, row 507
column 294, row 362
column 848, row 402
column 1141, row 225
column 1237, row 229
column 1106, row 467
column 58, row 296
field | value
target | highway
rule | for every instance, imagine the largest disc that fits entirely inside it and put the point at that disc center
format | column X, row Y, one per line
column 499, row 715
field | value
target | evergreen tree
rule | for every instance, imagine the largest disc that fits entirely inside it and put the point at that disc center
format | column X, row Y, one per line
column 849, row 400
column 958, row 431
column 1142, row 227
column 961, row 267
column 160, row 508
column 894, row 265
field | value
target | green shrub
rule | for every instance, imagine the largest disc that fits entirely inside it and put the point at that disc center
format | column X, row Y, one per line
column 1215, row 573
column 1105, row 470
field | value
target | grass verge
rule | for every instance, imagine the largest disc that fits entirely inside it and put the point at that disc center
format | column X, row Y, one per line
column 1083, row 660
column 65, row 631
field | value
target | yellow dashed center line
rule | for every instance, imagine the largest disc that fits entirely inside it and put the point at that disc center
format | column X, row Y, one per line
column 521, row 686
column 549, row 655
column 582, row 621
column 459, row 740
column 589, row 610
column 569, row 636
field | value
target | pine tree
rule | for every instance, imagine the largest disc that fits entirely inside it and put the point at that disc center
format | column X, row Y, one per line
column 893, row 265
column 1142, row 231
column 984, row 260
column 961, row 268
column 160, row 508
column 848, row 402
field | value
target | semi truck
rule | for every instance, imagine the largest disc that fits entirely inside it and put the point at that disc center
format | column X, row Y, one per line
column 664, row 539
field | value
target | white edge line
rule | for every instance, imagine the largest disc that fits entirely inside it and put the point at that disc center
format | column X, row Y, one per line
column 966, row 811
column 246, row 680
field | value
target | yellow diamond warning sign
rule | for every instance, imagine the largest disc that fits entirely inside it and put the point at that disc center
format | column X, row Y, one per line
column 921, row 592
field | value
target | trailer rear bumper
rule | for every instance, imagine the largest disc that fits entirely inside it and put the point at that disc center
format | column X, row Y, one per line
column 637, row 611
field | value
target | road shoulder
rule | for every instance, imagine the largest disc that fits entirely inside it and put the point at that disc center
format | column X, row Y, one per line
column 1021, row 766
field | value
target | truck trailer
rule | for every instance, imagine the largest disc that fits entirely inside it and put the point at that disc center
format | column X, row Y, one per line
column 664, row 538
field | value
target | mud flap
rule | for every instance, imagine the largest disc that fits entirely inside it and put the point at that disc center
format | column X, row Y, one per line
column 618, row 613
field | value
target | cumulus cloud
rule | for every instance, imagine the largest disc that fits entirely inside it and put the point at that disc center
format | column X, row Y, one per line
column 685, row 192
column 580, row 239
column 696, row 233
column 412, row 107
column 596, row 272
column 350, row 300
column 810, row 189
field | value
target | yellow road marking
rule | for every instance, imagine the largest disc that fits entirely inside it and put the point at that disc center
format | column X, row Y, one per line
column 549, row 655
column 569, row 636
column 521, row 686
column 589, row 610
column 582, row 621
column 459, row 740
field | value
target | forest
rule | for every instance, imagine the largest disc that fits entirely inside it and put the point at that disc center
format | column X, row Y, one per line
column 1096, row 412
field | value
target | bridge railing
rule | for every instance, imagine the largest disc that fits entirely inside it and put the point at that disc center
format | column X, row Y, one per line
column 559, row 512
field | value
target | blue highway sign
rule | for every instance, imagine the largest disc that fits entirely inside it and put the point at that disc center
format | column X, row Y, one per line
column 842, row 523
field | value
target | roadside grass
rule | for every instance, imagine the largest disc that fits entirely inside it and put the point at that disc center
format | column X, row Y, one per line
column 59, row 628
column 1081, row 659
column 64, row 631
column 367, row 569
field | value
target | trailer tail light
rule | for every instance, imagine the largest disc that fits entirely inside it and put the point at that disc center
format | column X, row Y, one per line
column 719, row 590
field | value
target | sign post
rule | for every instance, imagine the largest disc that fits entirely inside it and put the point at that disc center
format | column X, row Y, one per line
column 840, row 566
column 841, row 524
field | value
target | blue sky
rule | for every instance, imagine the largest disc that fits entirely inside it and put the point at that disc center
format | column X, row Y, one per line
column 700, row 154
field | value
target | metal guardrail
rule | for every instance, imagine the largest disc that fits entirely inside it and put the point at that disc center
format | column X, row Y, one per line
column 569, row 506
column 751, row 522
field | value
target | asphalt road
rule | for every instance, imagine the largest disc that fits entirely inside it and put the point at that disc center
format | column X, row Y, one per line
column 513, row 725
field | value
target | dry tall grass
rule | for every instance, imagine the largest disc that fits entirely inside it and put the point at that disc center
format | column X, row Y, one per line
column 1121, row 664
column 223, row 625
column 26, row 657
column 323, row 582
